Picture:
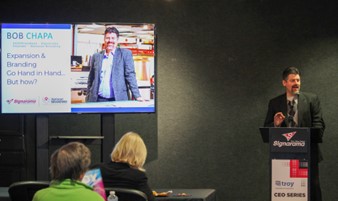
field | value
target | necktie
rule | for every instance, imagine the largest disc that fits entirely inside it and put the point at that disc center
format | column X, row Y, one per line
column 291, row 113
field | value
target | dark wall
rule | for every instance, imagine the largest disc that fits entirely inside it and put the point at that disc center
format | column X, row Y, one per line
column 219, row 62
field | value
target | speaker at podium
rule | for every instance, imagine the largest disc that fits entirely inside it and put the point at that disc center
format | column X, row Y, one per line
column 292, row 159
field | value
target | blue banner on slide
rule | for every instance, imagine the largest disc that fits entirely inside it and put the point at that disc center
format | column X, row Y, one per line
column 36, row 26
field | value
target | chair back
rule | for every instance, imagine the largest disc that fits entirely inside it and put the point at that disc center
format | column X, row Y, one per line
column 25, row 190
column 125, row 194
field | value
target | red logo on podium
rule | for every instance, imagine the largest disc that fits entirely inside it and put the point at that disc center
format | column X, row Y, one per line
column 288, row 136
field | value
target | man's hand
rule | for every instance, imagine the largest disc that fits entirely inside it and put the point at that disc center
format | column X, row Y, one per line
column 140, row 99
column 278, row 119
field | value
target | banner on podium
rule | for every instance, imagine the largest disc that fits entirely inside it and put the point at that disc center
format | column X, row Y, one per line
column 289, row 180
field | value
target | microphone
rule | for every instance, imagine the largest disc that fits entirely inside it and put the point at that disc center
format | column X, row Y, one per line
column 296, row 93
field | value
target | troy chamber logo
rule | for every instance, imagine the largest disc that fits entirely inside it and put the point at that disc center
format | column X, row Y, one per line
column 286, row 184
column 289, row 142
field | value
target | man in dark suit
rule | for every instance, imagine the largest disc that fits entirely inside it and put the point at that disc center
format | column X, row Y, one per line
column 112, row 72
column 298, row 109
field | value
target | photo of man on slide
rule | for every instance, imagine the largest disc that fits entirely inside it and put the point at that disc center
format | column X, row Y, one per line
column 112, row 72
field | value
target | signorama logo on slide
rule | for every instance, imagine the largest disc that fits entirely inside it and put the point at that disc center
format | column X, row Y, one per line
column 21, row 101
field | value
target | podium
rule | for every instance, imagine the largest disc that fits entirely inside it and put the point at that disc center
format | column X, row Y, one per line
column 291, row 159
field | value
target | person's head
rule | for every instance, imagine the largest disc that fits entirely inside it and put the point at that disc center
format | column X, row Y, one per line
column 70, row 161
column 111, row 37
column 130, row 149
column 291, row 80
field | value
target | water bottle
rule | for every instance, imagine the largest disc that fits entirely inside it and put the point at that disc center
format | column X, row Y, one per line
column 112, row 196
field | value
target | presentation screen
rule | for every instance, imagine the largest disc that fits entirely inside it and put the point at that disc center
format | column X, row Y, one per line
column 78, row 68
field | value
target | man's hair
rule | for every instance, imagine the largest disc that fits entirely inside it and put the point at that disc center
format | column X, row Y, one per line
column 112, row 30
column 130, row 149
column 70, row 161
column 290, row 70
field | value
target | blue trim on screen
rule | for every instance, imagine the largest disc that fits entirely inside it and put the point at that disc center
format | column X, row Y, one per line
column 114, row 110
column 36, row 26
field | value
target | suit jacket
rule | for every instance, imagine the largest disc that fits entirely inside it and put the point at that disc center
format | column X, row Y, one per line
column 309, row 115
column 123, row 76
column 123, row 176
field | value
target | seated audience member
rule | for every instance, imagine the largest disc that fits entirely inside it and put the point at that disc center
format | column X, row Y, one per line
column 68, row 165
column 125, row 170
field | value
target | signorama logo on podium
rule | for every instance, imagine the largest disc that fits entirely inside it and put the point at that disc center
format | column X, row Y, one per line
column 289, row 142
column 288, row 136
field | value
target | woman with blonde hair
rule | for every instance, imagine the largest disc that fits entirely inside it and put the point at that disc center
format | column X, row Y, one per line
column 125, row 170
